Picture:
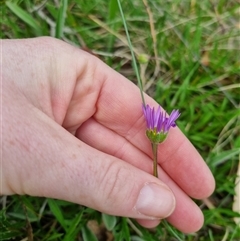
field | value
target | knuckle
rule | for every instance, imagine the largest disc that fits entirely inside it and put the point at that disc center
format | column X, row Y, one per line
column 116, row 184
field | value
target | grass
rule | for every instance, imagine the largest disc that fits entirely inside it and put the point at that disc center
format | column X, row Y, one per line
column 188, row 54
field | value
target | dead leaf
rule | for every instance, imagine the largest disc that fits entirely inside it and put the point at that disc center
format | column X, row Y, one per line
column 205, row 58
column 100, row 231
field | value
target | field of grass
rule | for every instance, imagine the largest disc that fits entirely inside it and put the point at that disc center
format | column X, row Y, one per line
column 188, row 55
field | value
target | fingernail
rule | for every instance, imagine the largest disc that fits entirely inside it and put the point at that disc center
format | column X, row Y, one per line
column 155, row 201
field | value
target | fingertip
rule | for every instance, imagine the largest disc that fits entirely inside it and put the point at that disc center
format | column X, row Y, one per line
column 148, row 223
column 192, row 225
column 187, row 221
column 206, row 188
column 211, row 186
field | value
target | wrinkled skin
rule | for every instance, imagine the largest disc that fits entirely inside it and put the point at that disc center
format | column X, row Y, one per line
column 73, row 129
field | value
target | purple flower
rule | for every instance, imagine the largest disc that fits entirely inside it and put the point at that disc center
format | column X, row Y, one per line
column 158, row 124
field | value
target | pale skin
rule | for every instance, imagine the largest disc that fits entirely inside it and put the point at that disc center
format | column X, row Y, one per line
column 73, row 129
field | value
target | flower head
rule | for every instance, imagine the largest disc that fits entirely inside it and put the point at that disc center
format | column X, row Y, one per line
column 158, row 124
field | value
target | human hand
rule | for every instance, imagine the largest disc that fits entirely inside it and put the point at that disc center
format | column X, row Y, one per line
column 73, row 129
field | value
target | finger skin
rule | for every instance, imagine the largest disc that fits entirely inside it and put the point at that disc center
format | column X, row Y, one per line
column 148, row 223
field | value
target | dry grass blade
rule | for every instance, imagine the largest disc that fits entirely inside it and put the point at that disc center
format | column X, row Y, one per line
column 154, row 38
column 117, row 35
column 236, row 203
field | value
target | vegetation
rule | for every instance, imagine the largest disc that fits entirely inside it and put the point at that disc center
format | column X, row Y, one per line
column 188, row 56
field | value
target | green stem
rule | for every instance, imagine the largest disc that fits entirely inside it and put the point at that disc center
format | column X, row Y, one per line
column 132, row 53
column 154, row 150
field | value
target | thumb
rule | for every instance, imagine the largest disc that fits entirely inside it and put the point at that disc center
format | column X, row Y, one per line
column 46, row 160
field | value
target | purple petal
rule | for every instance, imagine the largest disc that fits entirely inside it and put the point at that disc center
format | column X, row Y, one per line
column 144, row 111
column 150, row 117
column 160, row 122
column 157, row 115
column 171, row 120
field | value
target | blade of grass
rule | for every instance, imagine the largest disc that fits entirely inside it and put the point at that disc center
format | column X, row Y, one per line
column 24, row 16
column 171, row 230
column 74, row 227
column 132, row 53
column 88, row 235
column 224, row 156
column 179, row 96
column 56, row 236
column 57, row 212
column 61, row 19
column 235, row 233
column 112, row 10
column 125, row 229
column 154, row 38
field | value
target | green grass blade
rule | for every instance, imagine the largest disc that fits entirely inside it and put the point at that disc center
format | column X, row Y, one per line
column 74, row 227
column 125, row 229
column 61, row 19
column 132, row 53
column 172, row 231
column 54, row 237
column 112, row 11
column 224, row 156
column 23, row 15
column 54, row 207
column 235, row 233
column 88, row 235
